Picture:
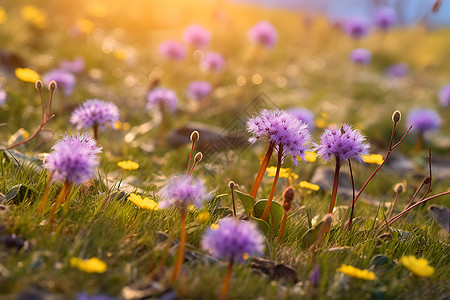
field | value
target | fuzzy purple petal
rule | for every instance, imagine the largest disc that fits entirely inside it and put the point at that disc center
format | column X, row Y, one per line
column 94, row 111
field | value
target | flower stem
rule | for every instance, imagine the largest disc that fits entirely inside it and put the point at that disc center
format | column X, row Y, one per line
column 190, row 156
column 335, row 185
column 162, row 127
column 392, row 206
column 232, row 200
column 265, row 214
column 262, row 170
column 95, row 128
column 226, row 283
column 46, row 191
column 61, row 198
column 419, row 143
column 180, row 257
column 283, row 226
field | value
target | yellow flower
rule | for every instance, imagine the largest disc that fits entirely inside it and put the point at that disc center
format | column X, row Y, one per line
column 86, row 26
column 214, row 227
column 91, row 265
column 128, row 165
column 145, row 203
column 117, row 125
column 284, row 173
column 373, row 159
column 418, row 266
column 357, row 273
column 310, row 156
column 3, row 15
column 245, row 256
column 34, row 15
column 203, row 216
column 320, row 123
column 126, row 126
column 309, row 186
column 26, row 74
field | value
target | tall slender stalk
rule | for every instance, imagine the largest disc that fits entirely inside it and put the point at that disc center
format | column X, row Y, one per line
column 265, row 214
column 46, row 191
column 335, row 185
column 226, row 283
column 180, row 256
column 95, row 128
column 262, row 170
column 61, row 199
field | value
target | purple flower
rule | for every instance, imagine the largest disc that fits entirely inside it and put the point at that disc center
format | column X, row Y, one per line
column 64, row 79
column 357, row 27
column 360, row 56
column 315, row 276
column 2, row 97
column 264, row 34
column 74, row 158
column 75, row 66
column 162, row 97
column 304, row 115
column 182, row 191
column 281, row 129
column 444, row 96
column 385, row 18
column 94, row 111
column 196, row 36
column 423, row 119
column 172, row 50
column 397, row 70
column 342, row 142
column 84, row 296
column 233, row 239
column 212, row 62
column 198, row 90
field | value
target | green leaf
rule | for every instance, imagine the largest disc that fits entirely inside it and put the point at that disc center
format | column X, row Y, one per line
column 247, row 201
column 18, row 193
column 265, row 228
column 275, row 215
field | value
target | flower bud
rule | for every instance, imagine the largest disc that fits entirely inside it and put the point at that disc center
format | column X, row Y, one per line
column 198, row 157
column 38, row 85
column 231, row 184
column 288, row 197
column 399, row 188
column 396, row 116
column 52, row 86
column 195, row 136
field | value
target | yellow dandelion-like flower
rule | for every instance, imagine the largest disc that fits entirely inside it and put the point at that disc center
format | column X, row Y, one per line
column 320, row 123
column 26, row 74
column 34, row 15
column 126, row 126
column 144, row 203
column 284, row 173
column 203, row 216
column 91, row 265
column 128, row 165
column 245, row 256
column 373, row 159
column 308, row 185
column 120, row 54
column 214, row 227
column 3, row 15
column 419, row 266
column 357, row 273
column 117, row 125
column 310, row 156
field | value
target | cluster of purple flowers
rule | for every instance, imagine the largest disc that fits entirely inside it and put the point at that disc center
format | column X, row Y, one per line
column 182, row 191
column 65, row 80
column 75, row 66
column 199, row 90
column 360, row 56
column 233, row 239
column 357, row 27
column 304, row 115
column 162, row 97
column 264, row 34
column 74, row 158
column 423, row 119
column 172, row 50
column 196, row 36
column 212, row 61
column 398, row 70
column 94, row 111
column 385, row 18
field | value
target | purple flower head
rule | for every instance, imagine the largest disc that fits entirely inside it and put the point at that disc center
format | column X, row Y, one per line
column 360, row 56
column 233, row 239
column 385, row 18
column 64, row 79
column 162, row 97
column 94, row 111
column 196, row 36
column 304, row 115
column 198, row 90
column 84, row 296
column 2, row 97
column 74, row 158
column 182, row 191
column 281, row 129
column 357, row 27
column 75, row 66
column 444, row 96
column 264, row 34
column 212, row 62
column 342, row 142
column 172, row 50
column 397, row 70
column 423, row 119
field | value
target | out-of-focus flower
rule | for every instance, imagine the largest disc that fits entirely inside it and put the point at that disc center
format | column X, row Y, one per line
column 444, row 96
column 310, row 156
column 172, row 50
column 357, row 27
column 64, row 79
column 385, row 18
column 91, row 265
column 233, row 239
column 203, row 216
column 2, row 97
column 182, row 191
column 284, row 173
column 419, row 266
column 94, row 111
column 212, row 61
column 304, row 115
column 145, row 203
column 397, row 70
column 310, row 186
column 264, row 34
column 128, row 165
column 357, row 273
column 214, row 227
column 199, row 90
column 34, row 15
column 423, row 119
column 86, row 26
column 3, row 15
column 196, row 36
column 74, row 158
column 162, row 97
column 373, row 159
column 360, row 56
column 26, row 74
column 75, row 66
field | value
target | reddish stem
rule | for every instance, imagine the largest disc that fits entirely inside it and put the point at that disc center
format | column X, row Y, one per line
column 283, row 226
column 265, row 214
column 262, row 170
column 46, row 191
column 226, row 283
column 190, row 156
column 180, row 257
column 335, row 185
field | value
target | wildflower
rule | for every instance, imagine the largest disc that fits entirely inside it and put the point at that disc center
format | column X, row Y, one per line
column 264, row 34
column 304, row 115
column 203, row 216
column 196, row 36
column 172, row 50
column 360, row 56
column 310, row 156
column 284, row 173
column 63, row 78
column 419, row 266
column 385, row 18
column 310, row 186
column 2, row 97
column 75, row 66
column 212, row 61
column 145, row 203
column 26, row 74
column 356, row 27
column 162, row 97
column 423, row 119
column 397, row 70
column 357, row 273
column 3, row 15
column 444, row 96
column 214, row 227
column 199, row 90
column 34, row 15
column 91, row 265
column 373, row 159
column 128, row 165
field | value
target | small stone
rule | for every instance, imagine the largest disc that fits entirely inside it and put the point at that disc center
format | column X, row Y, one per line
column 285, row 274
